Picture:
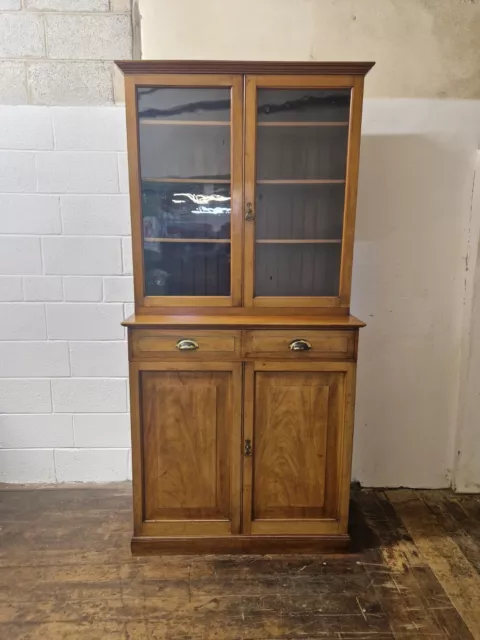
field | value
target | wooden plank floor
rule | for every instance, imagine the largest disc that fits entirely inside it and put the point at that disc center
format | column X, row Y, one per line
column 66, row 572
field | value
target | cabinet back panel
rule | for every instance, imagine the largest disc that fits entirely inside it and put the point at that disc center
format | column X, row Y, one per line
column 301, row 153
column 292, row 211
column 187, row 269
column 297, row 270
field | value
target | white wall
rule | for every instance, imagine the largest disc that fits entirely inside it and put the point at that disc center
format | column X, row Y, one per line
column 65, row 287
column 413, row 218
column 65, row 267
column 415, row 226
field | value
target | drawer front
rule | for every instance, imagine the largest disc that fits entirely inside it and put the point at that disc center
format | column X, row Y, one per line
column 186, row 345
column 300, row 344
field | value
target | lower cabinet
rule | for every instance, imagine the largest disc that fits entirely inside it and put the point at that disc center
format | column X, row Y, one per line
column 241, row 456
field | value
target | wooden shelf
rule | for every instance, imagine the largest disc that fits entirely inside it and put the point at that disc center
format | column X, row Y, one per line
column 300, row 181
column 195, row 123
column 202, row 240
column 298, row 241
column 188, row 180
column 302, row 124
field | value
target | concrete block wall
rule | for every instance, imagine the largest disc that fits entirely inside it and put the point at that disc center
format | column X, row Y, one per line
column 65, row 253
column 61, row 51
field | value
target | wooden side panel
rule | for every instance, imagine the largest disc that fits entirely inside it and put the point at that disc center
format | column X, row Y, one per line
column 190, row 428
column 298, row 417
column 290, row 443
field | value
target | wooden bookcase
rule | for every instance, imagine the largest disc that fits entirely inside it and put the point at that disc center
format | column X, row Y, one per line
column 243, row 185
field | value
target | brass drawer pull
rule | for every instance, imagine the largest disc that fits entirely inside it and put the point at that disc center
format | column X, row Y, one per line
column 187, row 345
column 248, row 448
column 299, row 345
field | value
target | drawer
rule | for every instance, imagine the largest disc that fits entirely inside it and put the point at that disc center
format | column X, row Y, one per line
column 179, row 344
column 309, row 344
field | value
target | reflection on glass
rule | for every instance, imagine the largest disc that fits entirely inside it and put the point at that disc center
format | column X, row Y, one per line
column 187, row 269
column 184, row 103
column 186, row 210
column 184, row 148
column 299, row 211
column 303, row 105
column 297, row 269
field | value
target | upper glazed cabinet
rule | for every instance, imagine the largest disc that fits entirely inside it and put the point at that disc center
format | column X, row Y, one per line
column 243, row 187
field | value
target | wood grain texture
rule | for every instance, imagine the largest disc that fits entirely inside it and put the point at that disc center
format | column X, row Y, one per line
column 240, row 320
column 353, row 160
column 260, row 544
column 66, row 571
column 134, row 67
column 155, row 343
column 240, row 312
column 189, row 439
column 291, row 421
column 294, row 416
column 275, row 344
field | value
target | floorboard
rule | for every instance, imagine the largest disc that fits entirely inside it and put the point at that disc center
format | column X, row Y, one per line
column 66, row 572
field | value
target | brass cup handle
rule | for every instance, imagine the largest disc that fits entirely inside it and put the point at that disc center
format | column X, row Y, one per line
column 300, row 345
column 249, row 212
column 187, row 345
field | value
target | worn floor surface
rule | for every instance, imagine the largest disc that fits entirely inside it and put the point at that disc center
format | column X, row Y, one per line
column 66, row 572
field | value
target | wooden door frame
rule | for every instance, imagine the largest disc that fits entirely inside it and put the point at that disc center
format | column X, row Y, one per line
column 141, row 526
column 147, row 304
column 336, row 525
column 252, row 83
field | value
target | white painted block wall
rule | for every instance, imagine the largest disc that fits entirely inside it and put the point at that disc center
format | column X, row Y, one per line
column 65, row 287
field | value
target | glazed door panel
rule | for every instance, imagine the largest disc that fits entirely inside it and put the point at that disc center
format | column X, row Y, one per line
column 300, row 151
column 186, row 184
column 191, row 448
column 296, row 422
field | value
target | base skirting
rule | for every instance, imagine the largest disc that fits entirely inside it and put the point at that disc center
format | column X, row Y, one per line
column 240, row 544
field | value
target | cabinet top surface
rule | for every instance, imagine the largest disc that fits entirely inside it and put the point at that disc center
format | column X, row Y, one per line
column 263, row 321
column 133, row 67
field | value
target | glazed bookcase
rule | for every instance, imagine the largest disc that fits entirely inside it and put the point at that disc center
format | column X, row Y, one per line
column 243, row 185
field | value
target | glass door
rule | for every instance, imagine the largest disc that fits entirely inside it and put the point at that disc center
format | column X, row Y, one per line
column 187, row 241
column 297, row 156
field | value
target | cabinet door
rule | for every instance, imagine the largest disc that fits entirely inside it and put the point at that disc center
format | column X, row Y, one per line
column 186, row 184
column 297, row 449
column 187, row 448
column 301, row 161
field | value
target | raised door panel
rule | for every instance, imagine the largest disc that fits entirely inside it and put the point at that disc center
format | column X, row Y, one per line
column 298, row 420
column 190, row 442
